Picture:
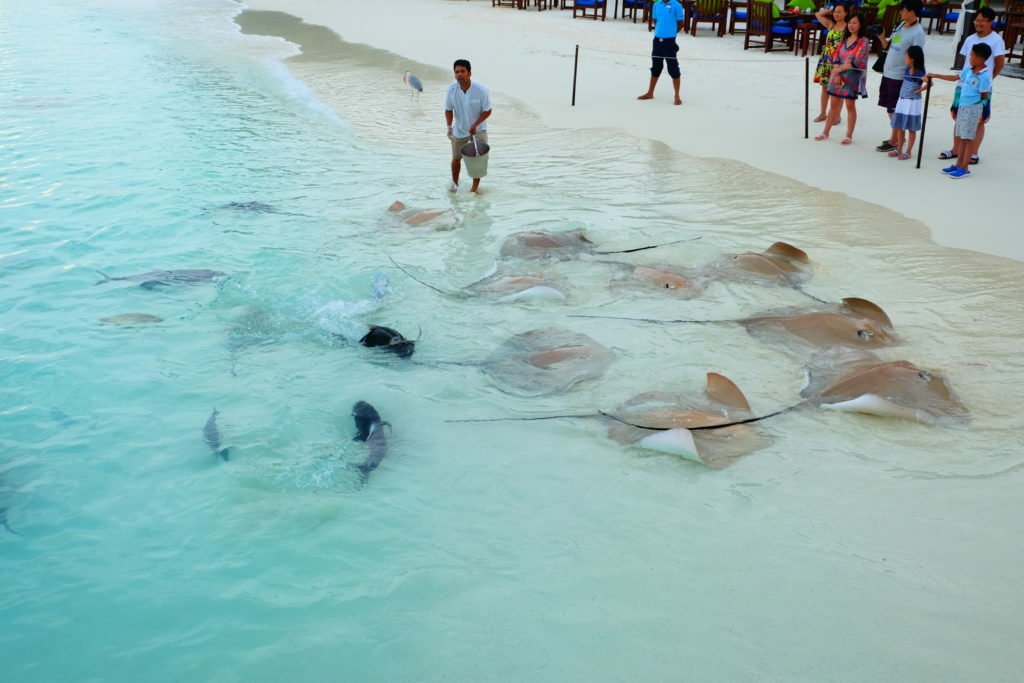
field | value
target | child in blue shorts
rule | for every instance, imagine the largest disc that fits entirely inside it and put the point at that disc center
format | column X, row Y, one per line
column 975, row 88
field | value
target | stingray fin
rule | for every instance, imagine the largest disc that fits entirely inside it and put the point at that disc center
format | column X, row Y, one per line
column 722, row 389
column 867, row 309
column 783, row 249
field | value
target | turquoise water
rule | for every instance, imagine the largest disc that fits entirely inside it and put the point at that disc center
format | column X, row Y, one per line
column 850, row 549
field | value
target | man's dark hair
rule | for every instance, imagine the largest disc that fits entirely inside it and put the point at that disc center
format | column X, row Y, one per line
column 982, row 50
column 462, row 62
column 988, row 13
column 914, row 6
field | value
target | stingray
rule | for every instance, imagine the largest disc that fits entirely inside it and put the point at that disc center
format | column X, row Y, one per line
column 566, row 245
column 666, row 422
column 502, row 286
column 714, row 429
column 423, row 216
column 780, row 263
column 855, row 323
column 851, row 381
column 160, row 278
column 670, row 280
column 547, row 361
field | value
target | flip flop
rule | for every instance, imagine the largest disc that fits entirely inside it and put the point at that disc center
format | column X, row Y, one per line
column 903, row 157
column 819, row 138
column 894, row 154
column 820, row 118
column 947, row 154
column 847, row 140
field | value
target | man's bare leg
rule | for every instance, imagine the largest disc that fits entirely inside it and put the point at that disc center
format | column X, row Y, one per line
column 456, row 169
column 649, row 95
column 675, row 84
column 476, row 185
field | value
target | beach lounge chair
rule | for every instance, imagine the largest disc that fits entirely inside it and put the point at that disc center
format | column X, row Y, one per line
column 762, row 31
column 597, row 8
column 504, row 3
column 714, row 12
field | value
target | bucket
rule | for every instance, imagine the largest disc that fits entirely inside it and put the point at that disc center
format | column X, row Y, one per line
column 475, row 155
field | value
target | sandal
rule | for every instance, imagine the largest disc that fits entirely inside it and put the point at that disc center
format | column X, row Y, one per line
column 975, row 159
column 820, row 118
column 948, row 154
column 819, row 138
column 847, row 140
column 894, row 153
column 903, row 157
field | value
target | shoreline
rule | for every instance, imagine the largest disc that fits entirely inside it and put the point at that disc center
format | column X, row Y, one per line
column 509, row 48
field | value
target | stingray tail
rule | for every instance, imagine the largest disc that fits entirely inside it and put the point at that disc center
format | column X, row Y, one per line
column 809, row 295
column 416, row 279
column 651, row 246
column 651, row 320
column 223, row 454
column 532, row 418
column 106, row 278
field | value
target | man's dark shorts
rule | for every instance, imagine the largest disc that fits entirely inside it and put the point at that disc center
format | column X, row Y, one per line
column 889, row 93
column 665, row 50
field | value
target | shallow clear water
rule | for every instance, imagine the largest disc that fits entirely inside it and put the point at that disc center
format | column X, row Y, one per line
column 851, row 548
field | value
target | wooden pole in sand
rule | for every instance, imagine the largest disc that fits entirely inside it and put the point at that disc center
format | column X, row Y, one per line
column 924, row 122
column 575, row 66
column 807, row 97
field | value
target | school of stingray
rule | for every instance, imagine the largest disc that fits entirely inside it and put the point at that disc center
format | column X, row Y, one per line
column 713, row 426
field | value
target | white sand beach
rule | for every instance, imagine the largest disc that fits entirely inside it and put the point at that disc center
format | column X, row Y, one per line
column 750, row 111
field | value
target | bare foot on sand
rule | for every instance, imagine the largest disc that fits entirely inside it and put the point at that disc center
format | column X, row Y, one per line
column 678, row 101
column 646, row 96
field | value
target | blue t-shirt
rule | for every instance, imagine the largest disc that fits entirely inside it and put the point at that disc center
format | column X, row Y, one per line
column 667, row 16
column 972, row 85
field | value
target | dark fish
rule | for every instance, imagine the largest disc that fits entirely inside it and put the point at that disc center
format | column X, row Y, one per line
column 387, row 339
column 250, row 207
column 370, row 430
column 62, row 418
column 211, row 435
column 160, row 278
column 390, row 339
column 4, row 524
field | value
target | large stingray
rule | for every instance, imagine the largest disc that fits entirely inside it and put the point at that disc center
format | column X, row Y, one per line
column 503, row 286
column 852, row 381
column 671, row 280
column 780, row 263
column 443, row 219
column 668, row 418
column 855, row 323
column 565, row 245
column 547, row 360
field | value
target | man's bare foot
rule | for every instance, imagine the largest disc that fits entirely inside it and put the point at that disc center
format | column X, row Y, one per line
column 646, row 96
column 452, row 187
column 678, row 101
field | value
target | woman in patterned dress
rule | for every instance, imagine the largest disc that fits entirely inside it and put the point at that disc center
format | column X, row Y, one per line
column 835, row 21
column 849, row 69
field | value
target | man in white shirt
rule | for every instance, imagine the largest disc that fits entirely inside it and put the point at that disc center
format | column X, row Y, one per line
column 993, row 65
column 467, row 106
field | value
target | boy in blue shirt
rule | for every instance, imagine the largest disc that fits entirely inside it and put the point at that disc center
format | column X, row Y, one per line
column 668, row 21
column 975, row 88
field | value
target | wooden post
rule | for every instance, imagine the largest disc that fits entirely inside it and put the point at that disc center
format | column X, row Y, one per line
column 924, row 124
column 807, row 97
column 575, row 66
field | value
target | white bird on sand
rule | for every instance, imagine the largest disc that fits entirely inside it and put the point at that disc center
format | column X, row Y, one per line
column 414, row 83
